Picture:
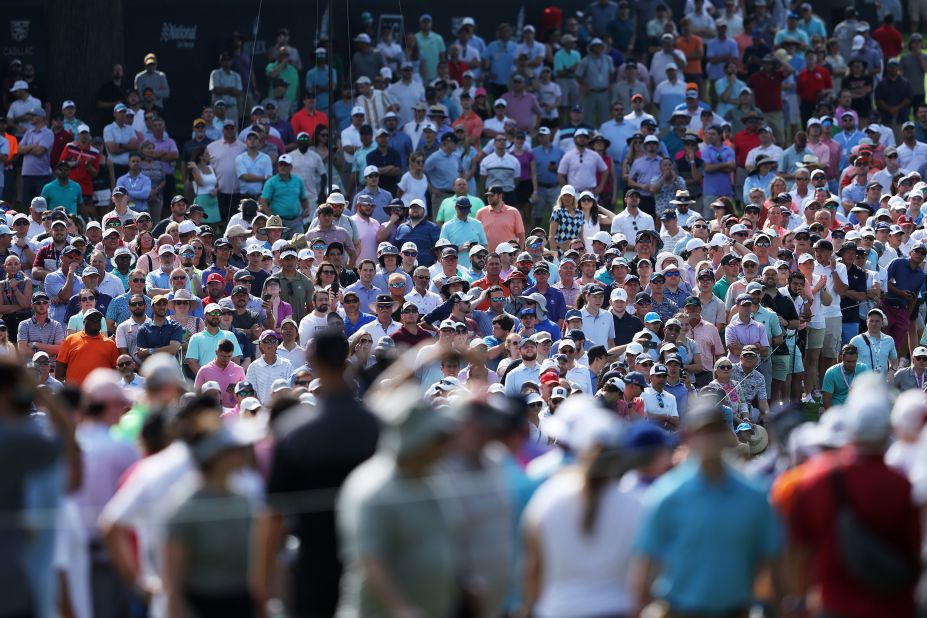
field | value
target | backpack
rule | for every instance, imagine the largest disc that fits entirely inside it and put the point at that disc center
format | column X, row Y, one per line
column 871, row 561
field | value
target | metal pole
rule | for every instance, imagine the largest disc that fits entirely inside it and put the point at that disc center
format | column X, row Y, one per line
column 331, row 94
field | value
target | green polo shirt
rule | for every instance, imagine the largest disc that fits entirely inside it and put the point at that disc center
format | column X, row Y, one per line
column 284, row 196
column 67, row 195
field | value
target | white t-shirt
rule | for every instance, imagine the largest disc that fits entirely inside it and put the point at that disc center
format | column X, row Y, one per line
column 310, row 325
column 413, row 188
column 833, row 309
column 583, row 574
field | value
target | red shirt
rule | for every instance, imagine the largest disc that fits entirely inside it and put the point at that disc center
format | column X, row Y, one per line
column 304, row 121
column 889, row 39
column 744, row 142
column 79, row 173
column 767, row 88
column 810, row 82
column 404, row 338
column 881, row 499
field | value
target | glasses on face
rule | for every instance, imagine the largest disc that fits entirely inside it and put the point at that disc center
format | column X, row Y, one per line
column 327, row 272
column 365, row 341
column 725, row 367
column 646, row 364
column 920, row 358
column 699, row 227
column 671, row 273
column 214, row 314
column 40, row 302
column 748, row 355
column 139, row 303
column 178, row 277
column 410, row 253
column 87, row 298
column 350, row 301
column 21, row 223
column 537, row 405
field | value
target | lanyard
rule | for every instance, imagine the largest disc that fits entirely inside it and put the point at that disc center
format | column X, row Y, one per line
column 919, row 381
column 844, row 375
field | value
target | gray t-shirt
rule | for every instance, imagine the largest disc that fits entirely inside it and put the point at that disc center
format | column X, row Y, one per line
column 398, row 521
column 214, row 529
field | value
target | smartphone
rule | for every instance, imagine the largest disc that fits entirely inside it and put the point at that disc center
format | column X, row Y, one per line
column 267, row 297
column 335, row 287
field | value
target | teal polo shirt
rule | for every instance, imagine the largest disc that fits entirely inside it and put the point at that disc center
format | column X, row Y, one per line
column 67, row 195
column 284, row 196
column 460, row 232
column 202, row 345
column 695, row 528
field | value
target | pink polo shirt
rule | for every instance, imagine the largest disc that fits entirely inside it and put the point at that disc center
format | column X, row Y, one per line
column 227, row 378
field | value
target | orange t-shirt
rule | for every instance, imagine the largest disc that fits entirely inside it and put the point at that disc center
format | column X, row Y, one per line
column 83, row 353
column 694, row 44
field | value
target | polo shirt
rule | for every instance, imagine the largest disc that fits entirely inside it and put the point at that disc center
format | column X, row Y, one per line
column 67, row 195
column 556, row 303
column 442, row 169
column 83, row 353
column 717, row 183
column 515, row 378
column 228, row 377
column 626, row 327
column 222, row 156
column 366, row 295
column 448, row 208
column 262, row 375
column 377, row 330
column 837, row 382
column 38, row 165
column 260, row 165
column 686, row 528
column 653, row 400
column 54, row 282
column 745, row 334
column 51, row 332
column 381, row 199
column 501, row 226
column 424, row 235
column 284, row 196
column 460, row 232
column 767, row 88
column 119, row 135
column 202, row 345
column 598, row 328
column 905, row 278
column 151, row 335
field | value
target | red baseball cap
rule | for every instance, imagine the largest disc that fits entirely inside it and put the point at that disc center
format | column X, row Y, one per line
column 215, row 277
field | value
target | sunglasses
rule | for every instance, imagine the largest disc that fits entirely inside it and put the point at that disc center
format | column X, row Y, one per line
column 40, row 302
column 536, row 405
column 305, row 383
column 410, row 253
column 497, row 299
column 699, row 227
column 327, row 272
column 350, row 301
column 397, row 285
column 124, row 364
column 141, row 303
column 365, row 341
column 920, row 358
column 424, row 277
column 178, row 277
column 214, row 314
column 725, row 367
column 672, row 273
column 646, row 364
column 86, row 298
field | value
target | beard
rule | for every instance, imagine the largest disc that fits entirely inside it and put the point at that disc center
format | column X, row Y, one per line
column 92, row 329
column 529, row 356
column 212, row 321
column 323, row 308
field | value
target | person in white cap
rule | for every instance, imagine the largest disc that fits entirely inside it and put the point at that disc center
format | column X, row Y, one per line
column 350, row 136
column 253, row 167
column 21, row 107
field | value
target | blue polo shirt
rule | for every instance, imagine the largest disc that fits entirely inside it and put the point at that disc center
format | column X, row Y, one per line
column 696, row 528
column 352, row 327
column 543, row 157
column 442, row 169
column 556, row 303
column 284, row 196
column 906, row 278
column 424, row 235
column 151, row 335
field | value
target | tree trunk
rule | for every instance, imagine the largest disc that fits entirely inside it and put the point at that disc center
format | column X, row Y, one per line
column 85, row 40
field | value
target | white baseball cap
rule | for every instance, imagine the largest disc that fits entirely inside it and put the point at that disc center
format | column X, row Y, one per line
column 619, row 294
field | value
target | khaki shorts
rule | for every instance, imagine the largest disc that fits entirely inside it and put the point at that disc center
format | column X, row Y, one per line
column 784, row 366
column 815, row 338
column 833, row 333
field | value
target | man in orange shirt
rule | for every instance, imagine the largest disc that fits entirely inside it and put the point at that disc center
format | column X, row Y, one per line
column 85, row 351
column 502, row 222
column 471, row 122
column 692, row 46
column 308, row 118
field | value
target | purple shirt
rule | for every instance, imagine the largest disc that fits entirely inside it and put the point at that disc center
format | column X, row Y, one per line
column 165, row 144
column 525, row 159
column 38, row 165
column 717, row 183
column 745, row 334
column 522, row 109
